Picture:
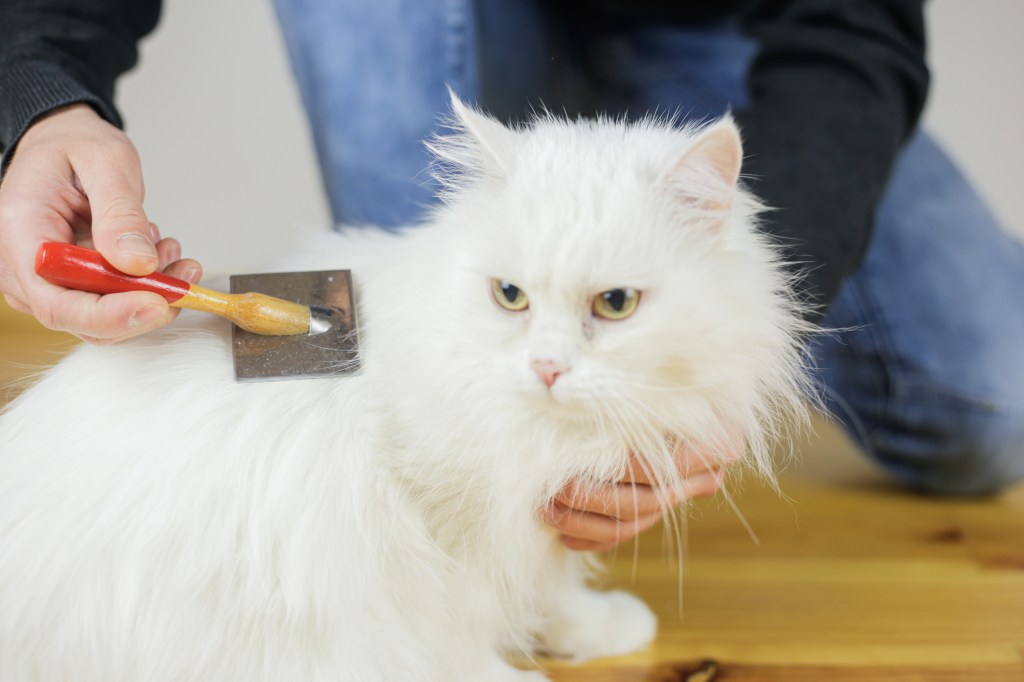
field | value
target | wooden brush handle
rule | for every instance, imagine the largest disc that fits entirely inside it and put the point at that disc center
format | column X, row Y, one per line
column 79, row 268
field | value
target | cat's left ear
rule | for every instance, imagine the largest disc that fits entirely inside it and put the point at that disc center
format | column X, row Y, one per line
column 706, row 175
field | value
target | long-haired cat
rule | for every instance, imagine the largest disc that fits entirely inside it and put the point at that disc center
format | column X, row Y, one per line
column 585, row 291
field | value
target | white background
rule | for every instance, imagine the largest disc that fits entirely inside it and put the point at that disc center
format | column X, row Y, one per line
column 230, row 170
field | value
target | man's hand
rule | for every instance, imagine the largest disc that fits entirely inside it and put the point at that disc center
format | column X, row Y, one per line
column 76, row 178
column 600, row 517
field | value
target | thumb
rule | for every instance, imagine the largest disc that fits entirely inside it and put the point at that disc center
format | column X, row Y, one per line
column 120, row 229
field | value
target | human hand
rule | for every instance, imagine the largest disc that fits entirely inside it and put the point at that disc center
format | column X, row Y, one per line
column 75, row 178
column 597, row 518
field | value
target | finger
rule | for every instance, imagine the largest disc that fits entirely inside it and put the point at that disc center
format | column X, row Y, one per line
column 167, row 251
column 703, row 484
column 690, row 459
column 581, row 545
column 120, row 230
column 110, row 317
column 623, row 501
column 187, row 269
column 590, row 533
column 595, row 527
column 637, row 471
column 18, row 304
column 695, row 458
column 648, row 495
column 96, row 341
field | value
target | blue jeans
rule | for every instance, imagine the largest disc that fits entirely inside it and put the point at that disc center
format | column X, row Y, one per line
column 927, row 373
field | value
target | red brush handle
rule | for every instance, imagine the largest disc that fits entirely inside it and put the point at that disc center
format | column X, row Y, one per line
column 79, row 268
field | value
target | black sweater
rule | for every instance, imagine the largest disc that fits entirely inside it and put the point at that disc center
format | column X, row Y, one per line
column 836, row 89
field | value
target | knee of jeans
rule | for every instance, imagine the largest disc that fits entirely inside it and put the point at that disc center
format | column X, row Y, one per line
column 962, row 449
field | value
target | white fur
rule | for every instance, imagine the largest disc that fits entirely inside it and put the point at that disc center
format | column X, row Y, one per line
column 159, row 521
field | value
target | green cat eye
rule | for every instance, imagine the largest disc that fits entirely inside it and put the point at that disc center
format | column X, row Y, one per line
column 509, row 296
column 616, row 304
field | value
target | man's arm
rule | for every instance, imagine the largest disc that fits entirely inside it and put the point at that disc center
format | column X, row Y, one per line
column 69, row 174
column 58, row 52
column 835, row 90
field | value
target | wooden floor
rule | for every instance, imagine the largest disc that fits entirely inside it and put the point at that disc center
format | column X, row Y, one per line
column 853, row 578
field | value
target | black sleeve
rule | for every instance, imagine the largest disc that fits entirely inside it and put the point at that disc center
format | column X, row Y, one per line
column 835, row 90
column 59, row 52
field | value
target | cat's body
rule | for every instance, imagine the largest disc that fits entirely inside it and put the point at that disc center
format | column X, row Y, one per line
column 159, row 521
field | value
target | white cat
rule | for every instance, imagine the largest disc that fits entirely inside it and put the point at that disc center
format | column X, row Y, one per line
column 586, row 290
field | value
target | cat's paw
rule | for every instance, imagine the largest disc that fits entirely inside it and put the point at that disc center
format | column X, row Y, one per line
column 595, row 624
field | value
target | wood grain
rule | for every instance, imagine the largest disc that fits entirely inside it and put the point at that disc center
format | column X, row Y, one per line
column 853, row 579
column 26, row 349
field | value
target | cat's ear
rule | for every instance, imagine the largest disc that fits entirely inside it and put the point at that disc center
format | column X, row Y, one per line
column 706, row 175
column 480, row 143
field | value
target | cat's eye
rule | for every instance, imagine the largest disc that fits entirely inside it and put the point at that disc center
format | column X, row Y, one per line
column 616, row 304
column 509, row 296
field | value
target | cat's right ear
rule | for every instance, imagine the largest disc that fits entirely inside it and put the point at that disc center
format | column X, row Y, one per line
column 479, row 144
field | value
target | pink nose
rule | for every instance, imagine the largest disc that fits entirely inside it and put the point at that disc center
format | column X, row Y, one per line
column 549, row 370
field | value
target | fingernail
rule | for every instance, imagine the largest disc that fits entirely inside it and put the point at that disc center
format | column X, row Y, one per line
column 191, row 274
column 173, row 252
column 154, row 233
column 135, row 244
column 699, row 484
column 145, row 315
column 554, row 512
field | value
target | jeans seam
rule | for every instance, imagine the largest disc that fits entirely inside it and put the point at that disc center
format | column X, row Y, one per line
column 963, row 399
column 457, row 44
column 899, row 388
column 880, row 345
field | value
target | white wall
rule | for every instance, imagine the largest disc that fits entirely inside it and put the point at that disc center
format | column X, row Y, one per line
column 977, row 100
column 230, row 170
column 226, row 156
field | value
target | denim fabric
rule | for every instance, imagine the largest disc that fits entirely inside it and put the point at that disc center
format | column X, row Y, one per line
column 373, row 77
column 927, row 368
column 928, row 373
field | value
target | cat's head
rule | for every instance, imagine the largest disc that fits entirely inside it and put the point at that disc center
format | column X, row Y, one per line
column 610, row 274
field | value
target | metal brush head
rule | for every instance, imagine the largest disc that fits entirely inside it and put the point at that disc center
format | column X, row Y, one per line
column 330, row 349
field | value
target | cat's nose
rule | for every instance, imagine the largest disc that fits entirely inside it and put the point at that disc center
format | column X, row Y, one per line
column 549, row 370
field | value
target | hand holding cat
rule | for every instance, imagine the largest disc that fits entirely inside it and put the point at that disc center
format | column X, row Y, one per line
column 76, row 178
column 597, row 519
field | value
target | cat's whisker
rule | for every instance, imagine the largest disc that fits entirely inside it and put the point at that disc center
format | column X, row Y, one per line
column 676, row 534
column 675, row 518
column 602, row 385
column 739, row 515
column 633, row 440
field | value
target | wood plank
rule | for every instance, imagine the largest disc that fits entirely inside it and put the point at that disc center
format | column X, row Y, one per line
column 26, row 349
column 722, row 671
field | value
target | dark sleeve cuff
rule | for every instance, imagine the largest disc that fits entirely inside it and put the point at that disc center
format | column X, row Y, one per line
column 33, row 88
